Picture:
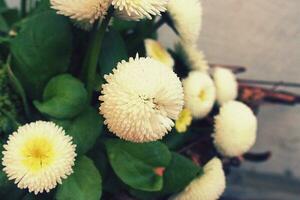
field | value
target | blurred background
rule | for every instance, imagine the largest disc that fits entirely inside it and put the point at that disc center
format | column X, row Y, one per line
column 264, row 36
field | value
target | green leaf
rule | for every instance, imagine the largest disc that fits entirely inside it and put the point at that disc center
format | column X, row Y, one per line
column 84, row 184
column 64, row 97
column 85, row 129
column 135, row 164
column 112, row 52
column 41, row 50
column 179, row 174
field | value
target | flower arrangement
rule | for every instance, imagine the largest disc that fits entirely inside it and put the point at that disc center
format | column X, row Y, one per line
column 93, row 106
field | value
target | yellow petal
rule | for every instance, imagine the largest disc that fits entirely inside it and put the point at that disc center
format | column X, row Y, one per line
column 156, row 51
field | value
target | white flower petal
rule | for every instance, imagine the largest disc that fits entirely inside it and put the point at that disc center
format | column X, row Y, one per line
column 187, row 18
column 140, row 100
column 136, row 10
column 84, row 11
column 226, row 84
column 38, row 156
column 199, row 93
column 235, row 129
column 209, row 186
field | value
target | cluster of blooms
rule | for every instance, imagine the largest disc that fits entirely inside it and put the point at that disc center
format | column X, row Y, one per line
column 141, row 102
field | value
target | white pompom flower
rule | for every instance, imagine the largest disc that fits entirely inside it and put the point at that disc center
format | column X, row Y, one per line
column 155, row 50
column 187, row 18
column 209, row 186
column 140, row 100
column 226, row 84
column 83, row 11
column 235, row 129
column 194, row 58
column 38, row 156
column 139, row 9
column 199, row 94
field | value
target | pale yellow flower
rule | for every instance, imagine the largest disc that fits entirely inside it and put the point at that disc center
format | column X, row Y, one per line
column 156, row 51
column 226, row 84
column 209, row 186
column 139, row 9
column 199, row 94
column 83, row 11
column 184, row 121
column 140, row 100
column 38, row 156
column 235, row 129
column 187, row 18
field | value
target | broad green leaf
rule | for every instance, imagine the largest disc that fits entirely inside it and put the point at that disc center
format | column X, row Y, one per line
column 113, row 51
column 84, row 184
column 64, row 97
column 41, row 50
column 180, row 172
column 135, row 164
column 85, row 129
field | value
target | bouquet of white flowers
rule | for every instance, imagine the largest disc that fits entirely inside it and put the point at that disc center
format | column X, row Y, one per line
column 93, row 106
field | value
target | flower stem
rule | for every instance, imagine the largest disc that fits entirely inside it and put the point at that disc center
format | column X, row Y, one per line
column 92, row 56
column 23, row 7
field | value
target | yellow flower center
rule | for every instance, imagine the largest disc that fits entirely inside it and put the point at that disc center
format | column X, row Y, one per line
column 183, row 121
column 202, row 95
column 37, row 153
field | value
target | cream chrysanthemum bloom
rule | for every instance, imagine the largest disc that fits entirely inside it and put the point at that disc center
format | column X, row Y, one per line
column 199, row 94
column 38, row 156
column 139, row 9
column 157, row 52
column 140, row 100
column 187, row 18
column 194, row 58
column 226, row 84
column 209, row 186
column 184, row 121
column 235, row 129
column 83, row 11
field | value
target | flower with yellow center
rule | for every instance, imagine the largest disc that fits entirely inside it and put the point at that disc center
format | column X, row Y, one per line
column 209, row 186
column 184, row 121
column 157, row 52
column 199, row 94
column 139, row 9
column 83, row 11
column 140, row 100
column 235, row 129
column 187, row 18
column 38, row 156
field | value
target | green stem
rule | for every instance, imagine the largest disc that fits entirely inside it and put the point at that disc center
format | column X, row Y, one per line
column 23, row 8
column 92, row 56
